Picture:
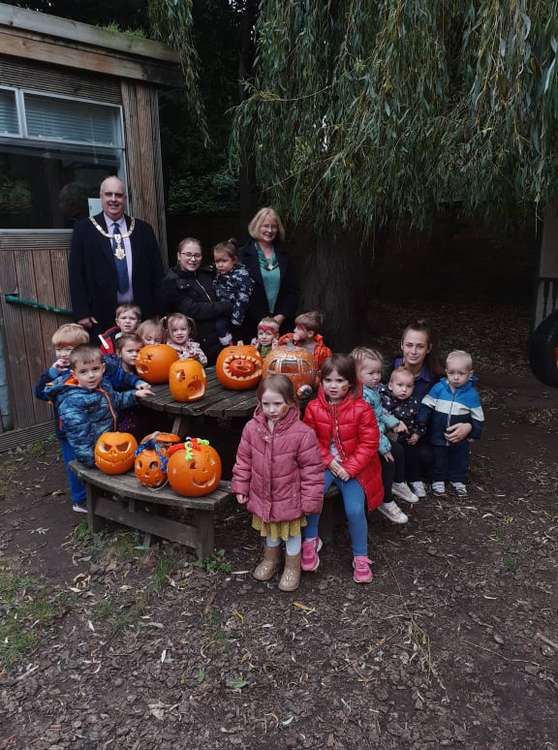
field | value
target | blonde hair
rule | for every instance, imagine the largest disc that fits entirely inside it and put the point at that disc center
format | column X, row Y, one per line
column 312, row 320
column 402, row 371
column 71, row 334
column 127, row 308
column 154, row 325
column 460, row 354
column 256, row 223
column 269, row 323
column 181, row 318
column 361, row 353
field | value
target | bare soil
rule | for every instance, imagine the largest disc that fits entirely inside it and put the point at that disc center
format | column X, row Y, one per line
column 105, row 644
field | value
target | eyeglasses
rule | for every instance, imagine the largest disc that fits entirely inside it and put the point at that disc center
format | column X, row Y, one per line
column 190, row 256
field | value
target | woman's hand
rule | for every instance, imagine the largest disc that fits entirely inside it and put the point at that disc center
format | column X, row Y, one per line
column 389, row 457
column 242, row 499
column 456, row 433
column 401, row 427
column 413, row 439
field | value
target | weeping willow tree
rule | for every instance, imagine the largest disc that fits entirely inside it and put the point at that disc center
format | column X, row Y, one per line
column 362, row 113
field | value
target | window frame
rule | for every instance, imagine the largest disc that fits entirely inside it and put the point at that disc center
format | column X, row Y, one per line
column 20, row 123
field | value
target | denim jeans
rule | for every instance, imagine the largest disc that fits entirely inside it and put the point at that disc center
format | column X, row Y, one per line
column 77, row 488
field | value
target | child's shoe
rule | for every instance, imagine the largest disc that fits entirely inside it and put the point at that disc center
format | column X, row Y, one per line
column 290, row 579
column 269, row 563
column 310, row 559
column 418, row 489
column 439, row 488
column 362, row 572
column 402, row 490
column 79, row 508
column 459, row 488
column 393, row 512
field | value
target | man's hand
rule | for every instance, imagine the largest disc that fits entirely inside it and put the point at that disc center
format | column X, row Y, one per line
column 279, row 318
column 88, row 322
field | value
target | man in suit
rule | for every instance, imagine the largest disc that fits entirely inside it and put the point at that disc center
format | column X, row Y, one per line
column 114, row 259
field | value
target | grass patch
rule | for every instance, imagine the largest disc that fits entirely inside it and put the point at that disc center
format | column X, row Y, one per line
column 163, row 569
column 26, row 608
column 215, row 563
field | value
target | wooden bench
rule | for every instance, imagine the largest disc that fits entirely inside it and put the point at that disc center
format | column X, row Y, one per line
column 124, row 500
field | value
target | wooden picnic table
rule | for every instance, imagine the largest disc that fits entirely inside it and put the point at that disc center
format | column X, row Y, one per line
column 217, row 402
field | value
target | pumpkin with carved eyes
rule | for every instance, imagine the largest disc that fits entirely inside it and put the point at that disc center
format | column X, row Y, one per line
column 150, row 466
column 187, row 380
column 239, row 367
column 194, row 468
column 297, row 364
column 154, row 361
column 114, row 452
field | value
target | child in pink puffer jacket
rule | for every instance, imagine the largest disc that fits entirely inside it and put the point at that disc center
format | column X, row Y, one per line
column 279, row 475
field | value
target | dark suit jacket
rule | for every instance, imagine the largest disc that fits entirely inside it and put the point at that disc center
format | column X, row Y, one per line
column 287, row 299
column 93, row 283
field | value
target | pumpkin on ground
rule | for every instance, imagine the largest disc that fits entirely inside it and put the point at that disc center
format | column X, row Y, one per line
column 239, row 367
column 154, row 361
column 187, row 380
column 150, row 466
column 297, row 364
column 194, row 468
column 114, row 452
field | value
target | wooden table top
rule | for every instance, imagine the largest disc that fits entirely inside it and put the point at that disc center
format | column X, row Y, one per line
column 217, row 401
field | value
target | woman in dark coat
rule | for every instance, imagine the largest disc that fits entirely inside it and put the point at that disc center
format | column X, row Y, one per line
column 188, row 288
column 275, row 291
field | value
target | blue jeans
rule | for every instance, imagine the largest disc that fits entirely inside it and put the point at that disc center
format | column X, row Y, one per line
column 77, row 488
column 354, row 501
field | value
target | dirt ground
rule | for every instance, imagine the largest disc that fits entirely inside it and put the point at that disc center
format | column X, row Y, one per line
column 106, row 644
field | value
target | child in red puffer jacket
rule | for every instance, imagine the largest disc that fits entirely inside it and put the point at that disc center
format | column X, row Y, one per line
column 349, row 438
column 278, row 474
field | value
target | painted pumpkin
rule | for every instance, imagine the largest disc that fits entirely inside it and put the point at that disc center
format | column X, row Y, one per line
column 114, row 452
column 297, row 364
column 239, row 367
column 194, row 468
column 187, row 380
column 150, row 466
column 154, row 361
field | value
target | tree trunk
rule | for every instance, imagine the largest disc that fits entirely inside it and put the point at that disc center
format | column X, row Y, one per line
column 336, row 280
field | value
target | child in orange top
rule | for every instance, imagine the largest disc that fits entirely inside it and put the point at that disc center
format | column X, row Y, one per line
column 306, row 335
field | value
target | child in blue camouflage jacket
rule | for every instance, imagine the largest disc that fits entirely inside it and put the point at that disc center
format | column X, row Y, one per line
column 233, row 284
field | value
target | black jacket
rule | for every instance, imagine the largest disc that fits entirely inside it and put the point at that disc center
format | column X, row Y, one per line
column 287, row 299
column 193, row 294
column 92, row 270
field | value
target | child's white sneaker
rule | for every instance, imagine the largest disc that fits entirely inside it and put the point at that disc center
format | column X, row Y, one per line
column 79, row 508
column 439, row 488
column 418, row 488
column 392, row 511
column 402, row 490
column 459, row 488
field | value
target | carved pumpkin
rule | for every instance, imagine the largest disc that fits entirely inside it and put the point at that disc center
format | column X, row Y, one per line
column 239, row 367
column 150, row 466
column 154, row 361
column 114, row 452
column 297, row 364
column 194, row 468
column 187, row 380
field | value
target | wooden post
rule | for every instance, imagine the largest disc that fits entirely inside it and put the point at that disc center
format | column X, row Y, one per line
column 206, row 534
column 95, row 523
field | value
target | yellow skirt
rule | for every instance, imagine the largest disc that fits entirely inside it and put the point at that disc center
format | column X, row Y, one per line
column 278, row 529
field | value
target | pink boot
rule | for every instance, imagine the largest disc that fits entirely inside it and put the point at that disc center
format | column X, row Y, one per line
column 310, row 559
column 362, row 572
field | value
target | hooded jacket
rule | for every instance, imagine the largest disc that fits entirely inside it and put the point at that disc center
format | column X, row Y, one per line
column 443, row 407
column 280, row 471
column 352, row 427
column 321, row 351
column 84, row 415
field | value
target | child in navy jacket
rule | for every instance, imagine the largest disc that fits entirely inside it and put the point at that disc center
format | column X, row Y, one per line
column 452, row 400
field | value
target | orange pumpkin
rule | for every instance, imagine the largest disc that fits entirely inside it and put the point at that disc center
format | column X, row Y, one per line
column 154, row 361
column 187, row 380
column 150, row 466
column 297, row 364
column 239, row 367
column 114, row 452
column 194, row 468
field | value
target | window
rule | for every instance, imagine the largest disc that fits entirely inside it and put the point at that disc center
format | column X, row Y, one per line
column 54, row 153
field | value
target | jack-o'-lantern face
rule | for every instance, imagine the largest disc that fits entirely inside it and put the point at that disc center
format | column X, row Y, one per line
column 239, row 367
column 154, row 361
column 114, row 452
column 297, row 364
column 150, row 466
column 194, row 468
column 187, row 380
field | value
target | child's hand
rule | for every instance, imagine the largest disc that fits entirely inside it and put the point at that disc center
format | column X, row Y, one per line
column 389, row 457
column 334, row 467
column 242, row 499
column 401, row 427
column 142, row 385
column 343, row 474
column 413, row 439
column 61, row 364
column 143, row 392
